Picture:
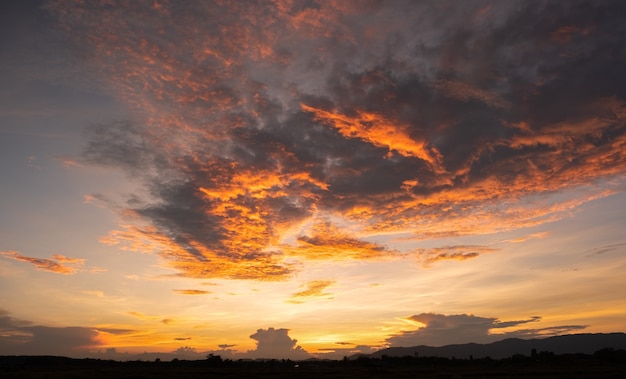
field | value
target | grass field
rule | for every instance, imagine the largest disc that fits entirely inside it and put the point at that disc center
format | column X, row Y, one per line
column 427, row 368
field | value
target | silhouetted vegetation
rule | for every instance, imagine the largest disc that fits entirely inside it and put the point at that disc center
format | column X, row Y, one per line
column 605, row 363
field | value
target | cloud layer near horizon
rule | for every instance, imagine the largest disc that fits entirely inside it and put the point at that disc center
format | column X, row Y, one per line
column 439, row 330
column 24, row 337
column 281, row 132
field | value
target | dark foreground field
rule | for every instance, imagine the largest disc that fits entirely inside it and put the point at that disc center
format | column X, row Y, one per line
column 610, row 365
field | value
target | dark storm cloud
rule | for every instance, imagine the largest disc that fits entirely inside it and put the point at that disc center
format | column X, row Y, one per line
column 42, row 75
column 121, row 144
column 434, row 118
column 439, row 330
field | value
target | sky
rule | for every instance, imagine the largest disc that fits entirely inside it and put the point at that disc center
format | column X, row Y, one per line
column 295, row 179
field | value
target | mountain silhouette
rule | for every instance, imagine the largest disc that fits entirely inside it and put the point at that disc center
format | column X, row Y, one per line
column 566, row 344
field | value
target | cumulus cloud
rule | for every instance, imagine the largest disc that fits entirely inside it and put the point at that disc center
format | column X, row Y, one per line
column 385, row 117
column 276, row 343
column 188, row 352
column 438, row 330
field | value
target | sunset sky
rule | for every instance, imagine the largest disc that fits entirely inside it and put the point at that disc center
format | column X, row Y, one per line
column 288, row 179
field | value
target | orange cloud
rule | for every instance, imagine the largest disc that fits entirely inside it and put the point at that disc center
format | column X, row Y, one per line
column 236, row 158
column 55, row 264
column 242, row 201
column 327, row 242
column 380, row 132
column 313, row 290
column 191, row 292
column 204, row 262
column 529, row 237
column 449, row 219
column 63, row 259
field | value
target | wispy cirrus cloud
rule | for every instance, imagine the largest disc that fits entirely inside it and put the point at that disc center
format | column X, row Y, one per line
column 191, row 292
column 250, row 128
column 606, row 249
column 144, row 317
column 531, row 236
column 459, row 253
column 93, row 293
column 58, row 263
column 314, row 290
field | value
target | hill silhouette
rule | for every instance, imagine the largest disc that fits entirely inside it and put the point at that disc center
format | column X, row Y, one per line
column 566, row 344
